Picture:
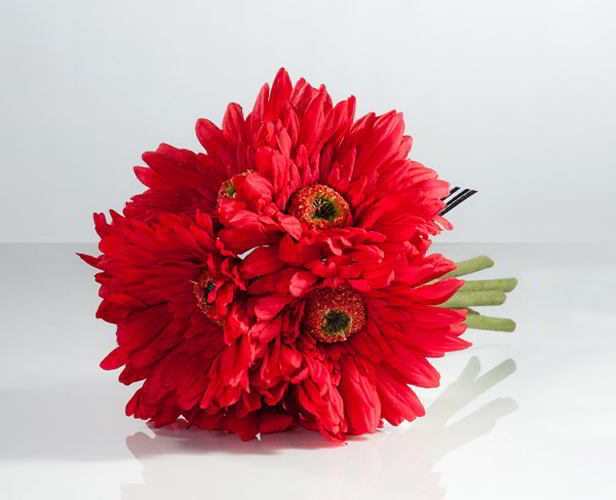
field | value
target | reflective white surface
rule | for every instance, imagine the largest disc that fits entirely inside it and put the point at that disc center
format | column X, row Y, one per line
column 524, row 415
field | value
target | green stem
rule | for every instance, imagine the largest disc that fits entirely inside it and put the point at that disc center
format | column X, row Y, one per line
column 466, row 299
column 480, row 322
column 503, row 284
column 470, row 266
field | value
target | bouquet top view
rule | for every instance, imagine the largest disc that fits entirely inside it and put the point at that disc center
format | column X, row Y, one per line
column 282, row 276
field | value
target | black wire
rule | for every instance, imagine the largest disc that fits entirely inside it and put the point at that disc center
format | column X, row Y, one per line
column 453, row 190
column 459, row 195
column 457, row 200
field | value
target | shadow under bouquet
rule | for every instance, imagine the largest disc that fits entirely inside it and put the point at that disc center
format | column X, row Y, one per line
column 283, row 277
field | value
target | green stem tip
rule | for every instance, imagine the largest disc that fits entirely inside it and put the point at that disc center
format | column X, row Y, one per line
column 470, row 266
column 480, row 322
column 483, row 298
column 503, row 284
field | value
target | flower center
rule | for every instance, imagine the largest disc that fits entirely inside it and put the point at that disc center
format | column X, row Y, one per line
column 228, row 189
column 207, row 289
column 335, row 321
column 324, row 208
column 320, row 207
column 333, row 315
column 202, row 289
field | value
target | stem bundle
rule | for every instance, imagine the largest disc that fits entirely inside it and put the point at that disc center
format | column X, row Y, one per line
column 481, row 293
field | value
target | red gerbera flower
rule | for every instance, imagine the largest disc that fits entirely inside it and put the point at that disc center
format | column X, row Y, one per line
column 355, row 350
column 337, row 360
column 331, row 315
column 166, row 285
column 295, row 138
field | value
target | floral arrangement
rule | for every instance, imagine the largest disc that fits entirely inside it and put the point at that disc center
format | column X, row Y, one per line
column 283, row 278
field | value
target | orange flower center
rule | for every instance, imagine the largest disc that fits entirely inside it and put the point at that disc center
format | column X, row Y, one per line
column 333, row 315
column 320, row 207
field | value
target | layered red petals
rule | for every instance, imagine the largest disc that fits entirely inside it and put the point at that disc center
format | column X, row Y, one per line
column 208, row 273
column 358, row 389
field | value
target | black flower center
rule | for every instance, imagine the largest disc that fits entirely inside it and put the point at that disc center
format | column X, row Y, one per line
column 324, row 208
column 202, row 289
column 335, row 321
column 206, row 291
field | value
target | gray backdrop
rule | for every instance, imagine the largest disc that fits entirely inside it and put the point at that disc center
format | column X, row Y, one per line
column 514, row 99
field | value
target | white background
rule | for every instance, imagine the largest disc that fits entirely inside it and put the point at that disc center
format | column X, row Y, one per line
column 515, row 99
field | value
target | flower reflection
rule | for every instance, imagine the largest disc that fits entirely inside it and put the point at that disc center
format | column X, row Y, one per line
column 395, row 463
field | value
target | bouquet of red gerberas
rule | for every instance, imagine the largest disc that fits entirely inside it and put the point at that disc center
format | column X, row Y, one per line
column 283, row 278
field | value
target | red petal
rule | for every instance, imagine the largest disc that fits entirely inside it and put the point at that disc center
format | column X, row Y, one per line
column 114, row 359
